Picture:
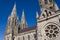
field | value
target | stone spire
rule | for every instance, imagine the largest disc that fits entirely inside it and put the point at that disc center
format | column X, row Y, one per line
column 12, row 22
column 37, row 15
column 23, row 17
column 14, row 10
column 23, row 23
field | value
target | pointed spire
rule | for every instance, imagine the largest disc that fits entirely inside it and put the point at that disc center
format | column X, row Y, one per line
column 23, row 14
column 23, row 17
column 14, row 10
column 23, row 23
column 37, row 14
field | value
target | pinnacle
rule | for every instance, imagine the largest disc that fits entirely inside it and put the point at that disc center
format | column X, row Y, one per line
column 37, row 14
column 14, row 10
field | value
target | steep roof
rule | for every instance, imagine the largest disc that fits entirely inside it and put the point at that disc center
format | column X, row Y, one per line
column 27, row 29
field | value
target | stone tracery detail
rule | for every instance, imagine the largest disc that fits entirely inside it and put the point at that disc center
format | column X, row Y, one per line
column 51, row 31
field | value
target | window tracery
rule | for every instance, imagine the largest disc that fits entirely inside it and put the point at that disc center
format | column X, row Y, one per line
column 51, row 31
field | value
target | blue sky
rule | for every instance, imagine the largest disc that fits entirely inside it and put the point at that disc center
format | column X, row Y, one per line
column 30, row 7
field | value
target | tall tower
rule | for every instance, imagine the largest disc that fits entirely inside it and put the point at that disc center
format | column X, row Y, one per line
column 48, row 23
column 12, row 25
column 48, row 4
column 23, row 23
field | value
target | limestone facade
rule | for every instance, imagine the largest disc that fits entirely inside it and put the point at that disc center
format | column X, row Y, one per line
column 47, row 28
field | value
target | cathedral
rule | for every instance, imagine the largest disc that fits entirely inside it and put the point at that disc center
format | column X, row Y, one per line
column 47, row 24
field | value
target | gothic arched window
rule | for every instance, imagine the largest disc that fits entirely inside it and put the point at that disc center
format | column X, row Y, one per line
column 50, row 13
column 28, row 37
column 15, row 22
column 46, row 12
column 46, row 2
column 35, row 36
column 43, row 15
column 51, row 7
column 50, row 1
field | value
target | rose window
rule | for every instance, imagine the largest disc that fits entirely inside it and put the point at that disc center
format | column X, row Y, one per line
column 51, row 31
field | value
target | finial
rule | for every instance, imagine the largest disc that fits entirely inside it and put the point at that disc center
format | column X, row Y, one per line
column 23, row 12
column 23, row 17
column 37, row 14
column 23, row 23
column 14, row 10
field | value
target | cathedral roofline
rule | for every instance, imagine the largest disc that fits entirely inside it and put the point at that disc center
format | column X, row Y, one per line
column 27, row 29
